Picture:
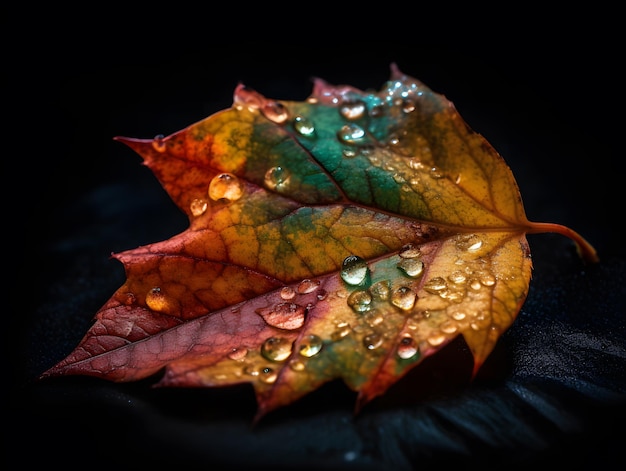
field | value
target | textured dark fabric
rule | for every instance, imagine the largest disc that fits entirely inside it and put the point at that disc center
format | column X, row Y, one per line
column 553, row 391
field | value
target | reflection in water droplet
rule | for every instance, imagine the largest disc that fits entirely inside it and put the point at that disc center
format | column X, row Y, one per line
column 307, row 286
column 435, row 285
column 407, row 348
column 413, row 267
column 352, row 110
column 268, row 375
column 310, row 345
column 198, row 206
column 354, row 270
column 275, row 111
column 403, row 297
column 303, row 126
column 276, row 348
column 225, row 185
column 380, row 290
column 373, row 341
column 277, row 178
column 360, row 300
column 158, row 143
column 351, row 133
column 238, row 354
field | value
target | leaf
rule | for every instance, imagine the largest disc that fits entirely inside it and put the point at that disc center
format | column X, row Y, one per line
column 347, row 236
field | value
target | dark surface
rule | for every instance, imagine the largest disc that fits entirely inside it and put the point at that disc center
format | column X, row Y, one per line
column 554, row 389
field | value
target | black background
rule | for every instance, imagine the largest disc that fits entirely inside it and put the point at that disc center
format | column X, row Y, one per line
column 548, row 97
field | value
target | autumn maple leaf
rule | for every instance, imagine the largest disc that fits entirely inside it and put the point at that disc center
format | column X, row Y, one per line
column 347, row 236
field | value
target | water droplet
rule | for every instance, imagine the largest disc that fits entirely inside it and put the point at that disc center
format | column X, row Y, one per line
column 410, row 251
column 303, row 126
column 435, row 285
column 373, row 317
column 349, row 153
column 457, row 277
column 296, row 365
column 353, row 109
column 373, row 341
column 351, row 133
column 408, row 106
column 275, row 111
column 342, row 330
column 251, row 370
column 380, row 290
column 487, row 279
column 238, row 354
column 403, row 297
column 459, row 316
column 276, row 348
column 307, row 286
column 157, row 301
column 158, row 143
column 407, row 348
column 225, row 185
column 310, row 345
column 287, row 293
column 321, row 294
column 448, row 327
column 435, row 172
column 360, row 300
column 469, row 242
column 436, row 338
column 277, row 178
column 354, row 270
column 288, row 316
column 268, row 375
column 413, row 267
column 198, row 206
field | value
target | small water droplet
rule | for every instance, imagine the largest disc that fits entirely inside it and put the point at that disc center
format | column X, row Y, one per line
column 351, row 133
column 457, row 277
column 275, row 111
column 296, row 365
column 487, row 279
column 158, row 143
column 276, row 348
column 251, row 370
column 380, row 290
column 354, row 270
column 307, row 286
column 198, row 206
column 475, row 284
column 435, row 285
column 407, row 348
column 342, row 330
column 403, row 297
column 469, row 242
column 310, row 345
column 225, row 185
column 448, row 327
column 412, row 267
column 277, row 178
column 321, row 294
column 238, row 354
column 349, row 153
column 373, row 341
column 410, row 251
column 373, row 317
column 459, row 316
column 288, row 316
column 303, row 126
column 360, row 300
column 353, row 109
column 268, row 375
column 287, row 293
column 436, row 338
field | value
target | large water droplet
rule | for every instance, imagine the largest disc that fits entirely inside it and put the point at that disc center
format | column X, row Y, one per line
column 158, row 143
column 225, row 185
column 403, row 297
column 198, row 206
column 353, row 109
column 277, row 178
column 310, row 345
column 275, row 111
column 157, row 301
column 407, row 348
column 303, row 126
column 288, row 316
column 412, row 267
column 276, row 348
column 354, row 270
column 351, row 134
column 360, row 300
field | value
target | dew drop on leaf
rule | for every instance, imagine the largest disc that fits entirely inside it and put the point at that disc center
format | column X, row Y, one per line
column 277, row 178
column 307, row 286
column 198, row 206
column 276, row 349
column 380, row 290
column 157, row 301
column 275, row 112
column 225, row 185
column 267, row 375
column 436, row 339
column 360, row 300
column 158, row 143
column 410, row 251
column 469, row 242
column 373, row 317
column 288, row 316
column 354, row 270
column 407, row 348
column 303, row 126
column 343, row 330
column 296, row 365
column 412, row 267
column 310, row 345
column 287, row 293
column 404, row 298
column 373, row 340
column 435, row 285
column 351, row 133
column 238, row 354
column 353, row 109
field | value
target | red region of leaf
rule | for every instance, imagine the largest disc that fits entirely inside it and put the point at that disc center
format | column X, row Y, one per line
column 347, row 236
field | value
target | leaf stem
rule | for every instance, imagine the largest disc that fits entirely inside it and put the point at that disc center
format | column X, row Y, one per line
column 585, row 249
